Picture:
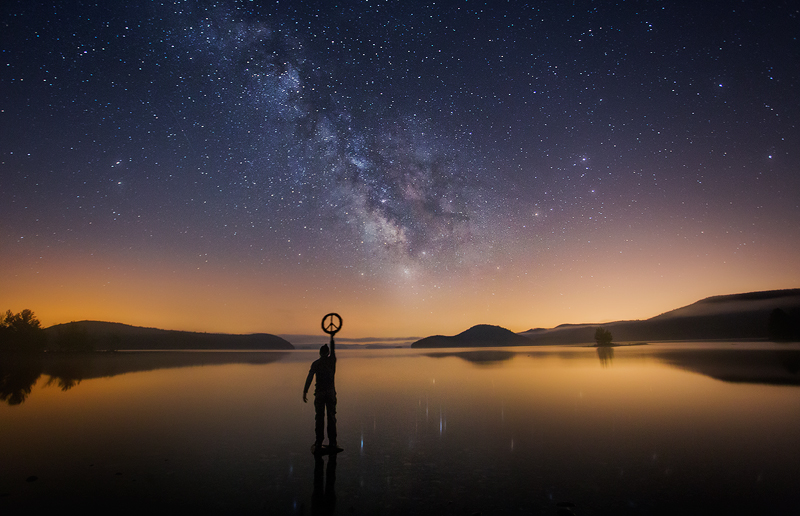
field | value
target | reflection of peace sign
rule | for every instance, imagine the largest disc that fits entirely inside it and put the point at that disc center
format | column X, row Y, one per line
column 331, row 323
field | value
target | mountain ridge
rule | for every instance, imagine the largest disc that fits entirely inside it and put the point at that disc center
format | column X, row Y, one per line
column 744, row 316
column 115, row 336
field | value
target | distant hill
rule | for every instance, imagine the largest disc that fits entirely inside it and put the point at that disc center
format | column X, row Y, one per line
column 733, row 317
column 482, row 335
column 768, row 315
column 106, row 335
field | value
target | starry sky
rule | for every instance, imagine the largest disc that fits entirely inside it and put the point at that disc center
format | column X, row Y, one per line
column 418, row 167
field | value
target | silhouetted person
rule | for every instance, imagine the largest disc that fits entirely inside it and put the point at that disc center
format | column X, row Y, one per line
column 324, row 394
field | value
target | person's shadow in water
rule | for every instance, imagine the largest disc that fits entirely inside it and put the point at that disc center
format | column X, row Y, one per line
column 323, row 499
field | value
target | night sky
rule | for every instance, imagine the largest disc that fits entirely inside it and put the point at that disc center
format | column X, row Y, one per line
column 418, row 167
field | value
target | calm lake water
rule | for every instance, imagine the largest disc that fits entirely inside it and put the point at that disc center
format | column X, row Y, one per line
column 657, row 429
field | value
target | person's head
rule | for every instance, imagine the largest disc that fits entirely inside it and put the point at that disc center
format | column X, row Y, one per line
column 324, row 350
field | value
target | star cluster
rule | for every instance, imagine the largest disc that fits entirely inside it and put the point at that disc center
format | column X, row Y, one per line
column 454, row 162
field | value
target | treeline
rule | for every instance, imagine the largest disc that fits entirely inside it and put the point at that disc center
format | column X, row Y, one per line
column 22, row 332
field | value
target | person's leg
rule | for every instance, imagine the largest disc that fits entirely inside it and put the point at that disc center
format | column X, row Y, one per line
column 331, row 408
column 319, row 408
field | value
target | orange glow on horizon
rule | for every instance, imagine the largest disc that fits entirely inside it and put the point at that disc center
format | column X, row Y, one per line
column 518, row 294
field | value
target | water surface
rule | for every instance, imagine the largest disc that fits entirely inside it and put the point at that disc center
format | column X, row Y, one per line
column 655, row 429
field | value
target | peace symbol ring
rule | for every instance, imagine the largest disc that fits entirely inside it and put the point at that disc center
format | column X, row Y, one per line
column 331, row 323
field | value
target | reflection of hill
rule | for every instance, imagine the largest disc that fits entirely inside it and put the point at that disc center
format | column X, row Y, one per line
column 772, row 366
column 735, row 317
column 482, row 335
column 19, row 372
column 482, row 357
column 107, row 335
column 729, row 363
column 98, row 365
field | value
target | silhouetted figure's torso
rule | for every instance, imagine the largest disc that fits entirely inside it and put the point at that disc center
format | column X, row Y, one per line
column 325, row 369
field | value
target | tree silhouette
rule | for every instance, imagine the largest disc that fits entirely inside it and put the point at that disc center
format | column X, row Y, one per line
column 21, row 332
column 602, row 337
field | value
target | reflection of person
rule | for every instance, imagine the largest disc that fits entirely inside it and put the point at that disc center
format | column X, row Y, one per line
column 324, row 393
column 323, row 499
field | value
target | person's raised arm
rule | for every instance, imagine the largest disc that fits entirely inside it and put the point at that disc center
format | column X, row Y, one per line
column 333, row 347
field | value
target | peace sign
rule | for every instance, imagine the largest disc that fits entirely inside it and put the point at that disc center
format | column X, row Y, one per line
column 331, row 323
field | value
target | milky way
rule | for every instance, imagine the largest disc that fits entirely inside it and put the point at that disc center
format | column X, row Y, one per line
column 405, row 189
column 421, row 146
